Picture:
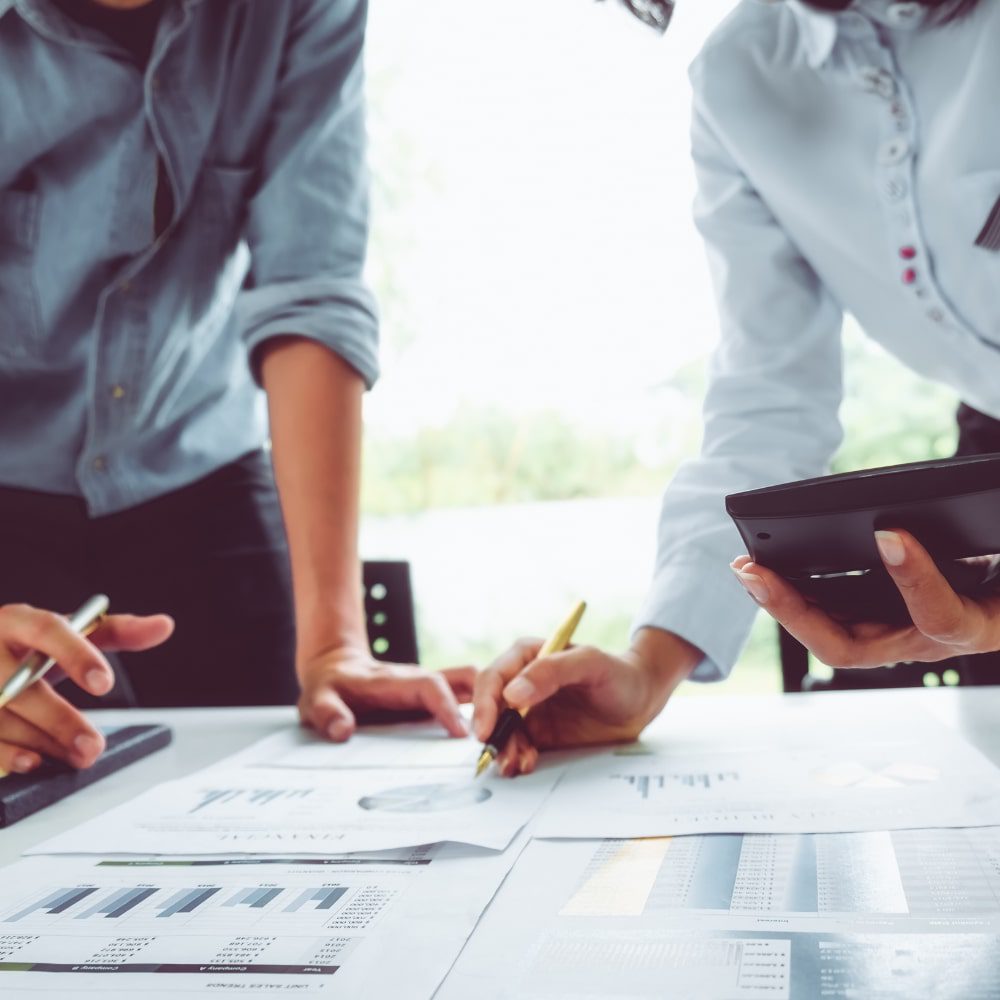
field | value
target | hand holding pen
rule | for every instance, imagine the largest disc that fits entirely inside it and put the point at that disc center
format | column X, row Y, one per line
column 34, row 719
column 578, row 697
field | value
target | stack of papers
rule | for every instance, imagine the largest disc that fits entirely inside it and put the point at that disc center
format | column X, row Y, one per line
column 782, row 861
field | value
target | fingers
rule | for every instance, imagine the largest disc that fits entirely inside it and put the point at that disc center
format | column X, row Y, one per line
column 132, row 632
column 436, row 696
column 27, row 628
column 835, row 644
column 936, row 610
column 16, row 760
column 20, row 736
column 328, row 714
column 42, row 720
column 487, row 698
column 541, row 679
column 461, row 680
column 518, row 757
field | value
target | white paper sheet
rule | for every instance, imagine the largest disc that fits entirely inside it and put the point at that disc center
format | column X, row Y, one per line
column 742, row 917
column 402, row 745
column 268, row 810
column 357, row 925
column 825, row 782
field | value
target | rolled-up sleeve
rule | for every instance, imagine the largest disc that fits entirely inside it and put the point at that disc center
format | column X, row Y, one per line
column 771, row 411
column 307, row 226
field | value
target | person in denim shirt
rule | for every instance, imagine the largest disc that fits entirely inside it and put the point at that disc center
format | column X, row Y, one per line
column 183, row 223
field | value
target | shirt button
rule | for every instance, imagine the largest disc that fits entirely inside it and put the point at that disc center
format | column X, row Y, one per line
column 893, row 151
column 907, row 253
column 909, row 276
column 100, row 463
column 936, row 315
column 895, row 188
column 118, row 392
column 877, row 81
column 903, row 14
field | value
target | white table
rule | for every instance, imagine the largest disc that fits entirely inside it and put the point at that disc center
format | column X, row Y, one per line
column 202, row 736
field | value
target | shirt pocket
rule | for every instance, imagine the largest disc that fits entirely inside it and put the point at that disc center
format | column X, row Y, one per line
column 221, row 202
column 20, row 310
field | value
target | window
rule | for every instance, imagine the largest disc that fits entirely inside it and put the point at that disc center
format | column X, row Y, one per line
column 546, row 315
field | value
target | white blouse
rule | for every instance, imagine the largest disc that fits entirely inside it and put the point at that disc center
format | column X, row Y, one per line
column 846, row 162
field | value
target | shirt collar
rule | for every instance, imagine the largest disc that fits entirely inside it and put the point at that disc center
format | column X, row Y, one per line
column 819, row 31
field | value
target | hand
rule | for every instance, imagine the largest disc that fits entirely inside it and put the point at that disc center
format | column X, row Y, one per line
column 347, row 682
column 578, row 697
column 39, row 721
column 945, row 624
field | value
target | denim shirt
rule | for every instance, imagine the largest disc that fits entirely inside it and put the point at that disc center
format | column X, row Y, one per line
column 126, row 354
column 846, row 162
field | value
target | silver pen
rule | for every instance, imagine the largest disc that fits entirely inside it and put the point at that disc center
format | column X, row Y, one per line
column 83, row 621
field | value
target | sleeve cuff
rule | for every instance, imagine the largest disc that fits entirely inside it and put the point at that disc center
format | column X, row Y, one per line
column 707, row 607
column 339, row 313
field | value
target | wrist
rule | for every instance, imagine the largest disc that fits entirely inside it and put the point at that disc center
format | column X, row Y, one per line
column 323, row 633
column 665, row 660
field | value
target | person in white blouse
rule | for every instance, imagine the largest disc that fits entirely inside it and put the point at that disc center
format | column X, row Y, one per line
column 848, row 160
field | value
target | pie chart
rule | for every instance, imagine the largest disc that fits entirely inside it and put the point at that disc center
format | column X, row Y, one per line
column 425, row 798
column 852, row 774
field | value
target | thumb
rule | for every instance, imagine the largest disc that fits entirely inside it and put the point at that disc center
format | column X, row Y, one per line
column 541, row 679
column 328, row 714
column 132, row 632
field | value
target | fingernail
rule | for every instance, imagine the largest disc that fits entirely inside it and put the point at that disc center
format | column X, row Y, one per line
column 87, row 746
column 519, row 691
column 460, row 723
column 890, row 547
column 98, row 681
column 23, row 763
column 338, row 730
column 754, row 586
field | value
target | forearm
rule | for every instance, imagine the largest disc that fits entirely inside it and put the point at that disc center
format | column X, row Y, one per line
column 314, row 401
column 665, row 660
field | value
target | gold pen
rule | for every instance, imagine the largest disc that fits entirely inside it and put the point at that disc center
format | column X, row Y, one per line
column 83, row 621
column 511, row 718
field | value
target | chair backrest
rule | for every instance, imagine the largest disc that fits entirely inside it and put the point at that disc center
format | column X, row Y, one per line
column 958, row 671
column 389, row 611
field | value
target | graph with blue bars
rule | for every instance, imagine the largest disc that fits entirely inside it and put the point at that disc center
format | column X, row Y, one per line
column 93, row 903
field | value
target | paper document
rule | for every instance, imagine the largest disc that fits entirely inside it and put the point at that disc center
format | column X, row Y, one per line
column 404, row 745
column 268, row 810
column 742, row 917
column 352, row 926
column 827, row 784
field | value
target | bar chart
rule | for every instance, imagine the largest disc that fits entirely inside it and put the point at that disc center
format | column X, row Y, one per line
column 252, row 797
column 647, row 784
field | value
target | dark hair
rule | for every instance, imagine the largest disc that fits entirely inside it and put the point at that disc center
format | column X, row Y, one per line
column 655, row 13
column 944, row 10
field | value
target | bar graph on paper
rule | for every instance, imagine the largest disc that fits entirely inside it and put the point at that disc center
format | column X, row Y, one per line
column 201, row 906
column 646, row 784
column 249, row 797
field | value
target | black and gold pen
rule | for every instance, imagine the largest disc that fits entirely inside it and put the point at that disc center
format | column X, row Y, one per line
column 511, row 718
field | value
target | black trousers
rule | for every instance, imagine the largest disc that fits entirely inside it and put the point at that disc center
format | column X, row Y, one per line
column 213, row 555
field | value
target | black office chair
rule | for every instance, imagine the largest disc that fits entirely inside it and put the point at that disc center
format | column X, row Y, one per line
column 961, row 671
column 389, row 611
